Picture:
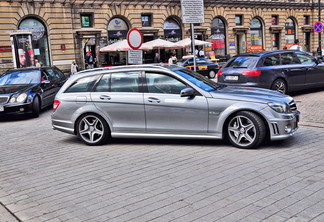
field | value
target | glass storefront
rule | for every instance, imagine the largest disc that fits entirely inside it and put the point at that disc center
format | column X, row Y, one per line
column 172, row 33
column 256, row 35
column 35, row 48
column 218, row 37
column 290, row 31
column 117, row 31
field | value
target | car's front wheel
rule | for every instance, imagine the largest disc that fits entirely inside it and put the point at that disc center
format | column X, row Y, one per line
column 280, row 85
column 245, row 130
column 212, row 74
column 92, row 129
column 35, row 107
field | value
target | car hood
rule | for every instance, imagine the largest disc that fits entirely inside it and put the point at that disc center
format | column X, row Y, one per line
column 11, row 89
column 250, row 94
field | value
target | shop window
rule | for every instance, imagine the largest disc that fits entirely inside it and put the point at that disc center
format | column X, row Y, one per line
column 290, row 33
column 256, row 35
column 274, row 20
column 146, row 20
column 306, row 19
column 86, row 20
column 238, row 20
column 35, row 47
column 172, row 30
column 218, row 37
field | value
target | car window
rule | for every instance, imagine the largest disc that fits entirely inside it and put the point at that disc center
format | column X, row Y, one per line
column 243, row 62
column 51, row 74
column 103, row 84
column 305, row 59
column 124, row 82
column 272, row 60
column 20, row 77
column 83, row 84
column 160, row 83
column 59, row 73
column 289, row 58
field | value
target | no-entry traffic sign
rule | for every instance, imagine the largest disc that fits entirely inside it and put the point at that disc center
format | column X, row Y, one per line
column 318, row 27
column 134, row 38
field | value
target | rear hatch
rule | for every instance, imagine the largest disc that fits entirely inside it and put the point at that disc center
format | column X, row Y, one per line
column 239, row 69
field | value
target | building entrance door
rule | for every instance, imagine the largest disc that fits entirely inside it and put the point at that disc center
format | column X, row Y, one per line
column 241, row 43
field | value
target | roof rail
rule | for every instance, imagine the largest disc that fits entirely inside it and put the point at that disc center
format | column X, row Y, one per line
column 155, row 65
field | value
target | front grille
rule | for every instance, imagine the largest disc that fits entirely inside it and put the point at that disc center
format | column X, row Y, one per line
column 4, row 99
column 293, row 106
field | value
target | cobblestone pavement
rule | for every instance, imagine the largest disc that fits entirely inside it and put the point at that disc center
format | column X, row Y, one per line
column 47, row 175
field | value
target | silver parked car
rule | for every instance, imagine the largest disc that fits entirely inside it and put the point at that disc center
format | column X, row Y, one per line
column 169, row 102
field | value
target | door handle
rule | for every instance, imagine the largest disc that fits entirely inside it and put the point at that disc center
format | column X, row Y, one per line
column 153, row 100
column 104, row 97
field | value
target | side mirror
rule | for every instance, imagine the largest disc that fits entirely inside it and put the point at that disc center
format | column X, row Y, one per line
column 187, row 92
column 46, row 82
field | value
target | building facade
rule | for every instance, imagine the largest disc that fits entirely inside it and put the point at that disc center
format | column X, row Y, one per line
column 55, row 32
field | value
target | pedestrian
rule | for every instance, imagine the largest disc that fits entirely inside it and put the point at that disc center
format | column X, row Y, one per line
column 201, row 53
column 170, row 61
column 296, row 46
column 37, row 64
column 174, row 59
column 74, row 68
column 90, row 60
column 157, row 58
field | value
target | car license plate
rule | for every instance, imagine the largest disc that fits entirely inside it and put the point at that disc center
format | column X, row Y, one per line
column 1, row 109
column 233, row 78
column 202, row 67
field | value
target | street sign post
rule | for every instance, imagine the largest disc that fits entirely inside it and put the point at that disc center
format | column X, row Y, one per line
column 135, row 41
column 193, row 12
column 318, row 27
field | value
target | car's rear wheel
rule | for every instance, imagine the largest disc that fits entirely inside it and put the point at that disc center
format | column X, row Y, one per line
column 92, row 129
column 212, row 74
column 245, row 130
column 280, row 85
column 35, row 107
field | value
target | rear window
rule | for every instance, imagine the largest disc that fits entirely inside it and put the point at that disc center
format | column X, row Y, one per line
column 82, row 85
column 243, row 62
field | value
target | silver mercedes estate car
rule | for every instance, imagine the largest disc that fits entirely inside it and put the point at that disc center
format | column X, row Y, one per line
column 148, row 101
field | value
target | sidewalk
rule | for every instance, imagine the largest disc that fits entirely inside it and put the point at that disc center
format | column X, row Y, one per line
column 5, row 216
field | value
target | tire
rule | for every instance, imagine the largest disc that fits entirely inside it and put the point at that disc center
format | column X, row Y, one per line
column 92, row 129
column 280, row 85
column 212, row 74
column 245, row 130
column 36, row 107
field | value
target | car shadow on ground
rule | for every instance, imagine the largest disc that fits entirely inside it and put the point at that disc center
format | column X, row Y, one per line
column 305, row 92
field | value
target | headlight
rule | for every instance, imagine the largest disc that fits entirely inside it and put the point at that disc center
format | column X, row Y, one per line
column 20, row 99
column 279, row 107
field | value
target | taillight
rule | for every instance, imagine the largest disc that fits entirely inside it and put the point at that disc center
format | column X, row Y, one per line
column 56, row 105
column 219, row 73
column 251, row 73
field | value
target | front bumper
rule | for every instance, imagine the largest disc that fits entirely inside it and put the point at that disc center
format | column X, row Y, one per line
column 285, row 127
column 15, row 108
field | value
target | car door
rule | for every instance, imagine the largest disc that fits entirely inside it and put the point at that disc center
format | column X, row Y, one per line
column 294, row 71
column 49, row 88
column 167, row 112
column 314, row 72
column 118, row 96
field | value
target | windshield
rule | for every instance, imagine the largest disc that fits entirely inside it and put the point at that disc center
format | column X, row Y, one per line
column 198, row 80
column 243, row 62
column 20, row 78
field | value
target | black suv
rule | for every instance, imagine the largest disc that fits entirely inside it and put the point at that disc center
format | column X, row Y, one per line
column 283, row 70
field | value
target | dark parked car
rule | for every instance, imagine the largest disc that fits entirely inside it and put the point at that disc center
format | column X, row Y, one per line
column 28, row 90
column 203, row 66
column 283, row 70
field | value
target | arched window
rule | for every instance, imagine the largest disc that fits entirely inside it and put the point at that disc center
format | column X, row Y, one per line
column 39, row 39
column 290, row 31
column 256, row 35
column 117, row 30
column 172, row 30
column 218, row 37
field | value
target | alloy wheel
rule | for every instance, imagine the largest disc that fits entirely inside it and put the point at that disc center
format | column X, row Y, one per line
column 91, row 129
